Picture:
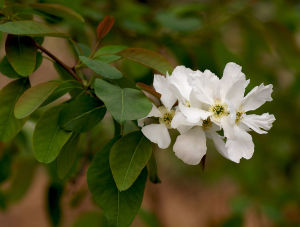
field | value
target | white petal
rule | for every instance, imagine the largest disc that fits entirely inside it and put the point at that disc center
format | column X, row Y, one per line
column 193, row 115
column 179, row 82
column 161, row 85
column 190, row 147
column 233, row 84
column 257, row 97
column 259, row 122
column 206, row 87
column 219, row 142
column 157, row 133
column 228, row 125
column 241, row 146
column 153, row 113
column 180, row 123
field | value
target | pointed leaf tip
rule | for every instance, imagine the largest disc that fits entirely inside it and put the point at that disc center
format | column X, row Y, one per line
column 105, row 26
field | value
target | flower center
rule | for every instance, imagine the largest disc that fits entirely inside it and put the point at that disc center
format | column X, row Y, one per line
column 206, row 124
column 166, row 117
column 219, row 110
column 239, row 116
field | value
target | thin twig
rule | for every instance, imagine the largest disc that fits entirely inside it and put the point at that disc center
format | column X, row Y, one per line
column 58, row 61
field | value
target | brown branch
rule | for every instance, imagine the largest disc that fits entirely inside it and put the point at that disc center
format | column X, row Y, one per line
column 148, row 89
column 58, row 61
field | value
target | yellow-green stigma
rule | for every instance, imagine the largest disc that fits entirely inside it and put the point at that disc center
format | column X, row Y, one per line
column 219, row 110
column 206, row 124
column 166, row 117
column 239, row 116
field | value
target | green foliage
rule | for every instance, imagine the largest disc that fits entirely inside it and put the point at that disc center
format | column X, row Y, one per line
column 7, row 70
column 48, row 137
column 152, row 170
column 67, row 156
column 101, row 68
column 90, row 219
column 54, row 196
column 42, row 94
column 128, row 157
column 34, row 97
column 119, row 208
column 29, row 28
column 21, row 54
column 123, row 103
column 110, row 49
column 57, row 10
column 9, row 124
column 81, row 114
column 148, row 58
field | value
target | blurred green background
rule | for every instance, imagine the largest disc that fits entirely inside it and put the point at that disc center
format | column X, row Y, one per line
column 261, row 36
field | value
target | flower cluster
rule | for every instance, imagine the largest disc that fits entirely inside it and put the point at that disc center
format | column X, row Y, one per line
column 200, row 105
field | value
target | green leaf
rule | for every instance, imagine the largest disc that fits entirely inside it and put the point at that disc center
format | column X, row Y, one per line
column 101, row 68
column 34, row 97
column 152, row 170
column 108, row 58
column 54, row 197
column 57, row 10
column 22, row 179
column 48, row 137
column 65, row 87
column 41, row 95
column 148, row 58
column 119, row 208
column 128, row 157
column 21, row 54
column 7, row 70
column 81, row 114
column 67, row 156
column 123, row 103
column 9, row 125
column 29, row 28
column 110, row 49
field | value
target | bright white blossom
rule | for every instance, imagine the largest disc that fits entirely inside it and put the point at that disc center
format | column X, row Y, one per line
column 206, row 105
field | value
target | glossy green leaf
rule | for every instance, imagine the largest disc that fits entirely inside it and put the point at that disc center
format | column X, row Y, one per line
column 48, row 137
column 81, row 114
column 148, row 58
column 67, row 156
column 29, row 28
column 34, row 97
column 101, row 68
column 41, row 95
column 7, row 70
column 123, row 103
column 21, row 54
column 9, row 124
column 110, row 49
column 119, row 208
column 57, row 10
column 68, row 86
column 128, row 157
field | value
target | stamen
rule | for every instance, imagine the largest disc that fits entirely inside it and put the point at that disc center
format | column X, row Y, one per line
column 167, row 116
column 239, row 116
column 206, row 124
column 219, row 110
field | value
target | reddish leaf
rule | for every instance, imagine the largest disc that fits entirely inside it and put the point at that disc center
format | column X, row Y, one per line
column 104, row 27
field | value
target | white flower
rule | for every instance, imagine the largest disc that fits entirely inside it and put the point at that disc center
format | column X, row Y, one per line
column 158, row 133
column 236, row 126
column 212, row 96
column 190, row 146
